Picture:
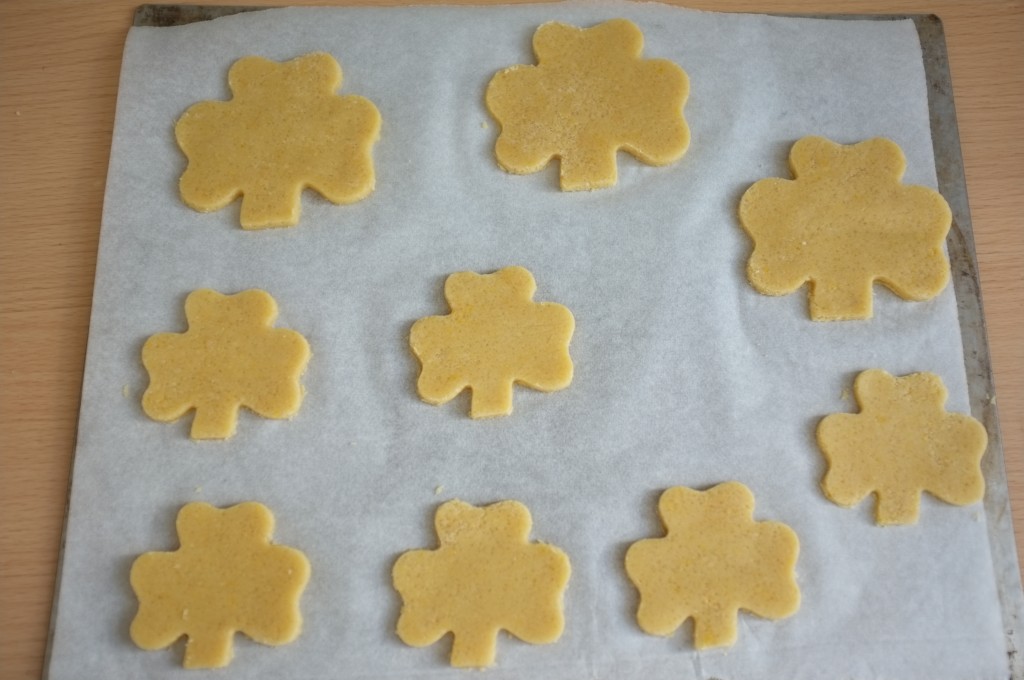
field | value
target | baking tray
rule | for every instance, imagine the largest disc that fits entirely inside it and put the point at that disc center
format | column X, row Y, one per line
column 964, row 274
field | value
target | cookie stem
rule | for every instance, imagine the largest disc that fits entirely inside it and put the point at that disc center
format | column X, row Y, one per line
column 841, row 300
column 211, row 649
column 215, row 420
column 274, row 205
column 897, row 508
column 473, row 649
column 491, row 399
column 586, row 169
column 715, row 628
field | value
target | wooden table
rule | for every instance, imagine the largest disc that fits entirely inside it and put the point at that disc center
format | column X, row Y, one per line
column 59, row 65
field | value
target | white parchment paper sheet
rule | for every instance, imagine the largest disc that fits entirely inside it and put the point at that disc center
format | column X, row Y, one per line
column 684, row 374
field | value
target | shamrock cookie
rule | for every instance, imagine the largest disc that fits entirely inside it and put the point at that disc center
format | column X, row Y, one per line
column 225, row 577
column 285, row 129
column 901, row 443
column 485, row 577
column 229, row 357
column 589, row 95
column 495, row 335
column 843, row 223
column 714, row 560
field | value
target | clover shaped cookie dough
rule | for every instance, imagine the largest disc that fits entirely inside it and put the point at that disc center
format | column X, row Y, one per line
column 714, row 560
column 485, row 577
column 226, row 577
column 589, row 95
column 901, row 443
column 843, row 223
column 229, row 357
column 496, row 335
column 284, row 129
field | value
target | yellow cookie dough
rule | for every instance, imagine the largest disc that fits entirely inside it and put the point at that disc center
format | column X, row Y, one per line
column 589, row 95
column 843, row 223
column 901, row 443
column 285, row 129
column 714, row 560
column 225, row 578
column 495, row 336
column 229, row 357
column 486, row 576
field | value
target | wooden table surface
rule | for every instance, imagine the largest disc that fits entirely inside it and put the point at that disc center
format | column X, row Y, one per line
column 59, row 65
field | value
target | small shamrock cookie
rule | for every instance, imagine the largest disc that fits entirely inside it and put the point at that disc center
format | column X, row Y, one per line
column 589, row 95
column 495, row 335
column 485, row 577
column 714, row 560
column 843, row 223
column 225, row 577
column 901, row 443
column 229, row 357
column 285, row 129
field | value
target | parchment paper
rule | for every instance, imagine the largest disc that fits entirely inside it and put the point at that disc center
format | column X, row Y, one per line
column 684, row 374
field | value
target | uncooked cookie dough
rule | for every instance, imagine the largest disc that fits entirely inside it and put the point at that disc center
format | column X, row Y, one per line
column 713, row 561
column 589, row 95
column 901, row 443
column 230, row 357
column 284, row 130
column 496, row 335
column 226, row 577
column 843, row 223
column 485, row 577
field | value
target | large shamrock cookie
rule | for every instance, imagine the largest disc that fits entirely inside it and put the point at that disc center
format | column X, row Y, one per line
column 714, row 560
column 226, row 577
column 229, row 357
column 589, row 95
column 843, row 223
column 901, row 443
column 285, row 129
column 496, row 335
column 485, row 577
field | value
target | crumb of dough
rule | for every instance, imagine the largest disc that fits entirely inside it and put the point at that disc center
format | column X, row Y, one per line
column 495, row 335
column 438, row 490
column 284, row 130
column 844, row 222
column 901, row 443
column 225, row 577
column 713, row 561
column 230, row 357
column 486, row 576
column 589, row 95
